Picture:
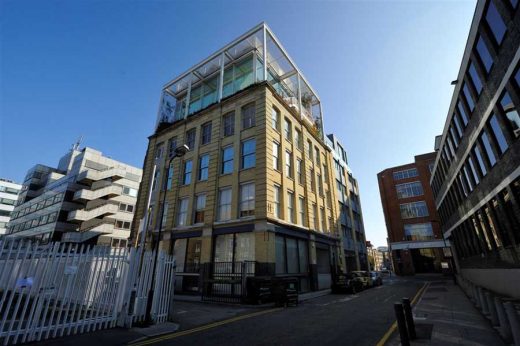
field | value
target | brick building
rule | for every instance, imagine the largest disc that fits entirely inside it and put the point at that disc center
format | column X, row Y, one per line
column 412, row 223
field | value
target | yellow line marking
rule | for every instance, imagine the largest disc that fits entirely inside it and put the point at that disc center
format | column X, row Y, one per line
column 201, row 328
column 393, row 327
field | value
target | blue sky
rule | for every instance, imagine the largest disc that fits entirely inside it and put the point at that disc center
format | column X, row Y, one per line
column 96, row 68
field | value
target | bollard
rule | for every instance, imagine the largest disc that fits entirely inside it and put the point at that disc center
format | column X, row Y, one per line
column 514, row 322
column 485, row 308
column 401, row 324
column 409, row 318
column 505, row 329
column 492, row 309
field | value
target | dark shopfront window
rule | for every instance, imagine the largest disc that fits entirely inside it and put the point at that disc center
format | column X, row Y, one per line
column 292, row 259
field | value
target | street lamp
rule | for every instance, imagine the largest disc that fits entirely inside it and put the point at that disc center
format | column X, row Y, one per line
column 179, row 152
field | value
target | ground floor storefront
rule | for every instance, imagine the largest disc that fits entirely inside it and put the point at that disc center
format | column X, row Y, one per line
column 222, row 258
column 410, row 258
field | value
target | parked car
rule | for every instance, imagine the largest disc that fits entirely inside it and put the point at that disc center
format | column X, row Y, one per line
column 377, row 280
column 347, row 283
column 364, row 276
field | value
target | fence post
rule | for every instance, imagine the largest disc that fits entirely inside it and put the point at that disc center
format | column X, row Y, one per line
column 401, row 324
column 409, row 318
column 514, row 322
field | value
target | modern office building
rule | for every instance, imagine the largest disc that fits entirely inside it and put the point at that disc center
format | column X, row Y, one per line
column 256, row 183
column 88, row 197
column 350, row 221
column 412, row 223
column 475, row 178
column 8, row 195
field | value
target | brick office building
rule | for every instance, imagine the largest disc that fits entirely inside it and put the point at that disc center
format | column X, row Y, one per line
column 476, row 177
column 257, row 183
column 412, row 223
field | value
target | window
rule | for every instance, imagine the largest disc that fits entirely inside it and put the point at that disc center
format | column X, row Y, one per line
column 469, row 98
column 248, row 116
column 248, row 153
column 495, row 22
column 468, row 180
column 229, row 124
column 206, row 133
column 475, row 78
column 301, row 210
column 276, row 156
column 299, row 171
column 315, row 215
column 292, row 258
column 287, row 129
column 497, row 132
column 407, row 173
column 313, row 183
column 224, row 204
column 190, row 138
column 309, row 150
column 325, row 173
column 462, row 113
column 247, row 200
column 483, row 53
column 237, row 247
column 320, row 185
column 227, row 160
column 182, row 213
column 298, row 139
column 119, row 223
column 414, row 209
column 172, row 146
column 408, row 190
column 275, row 119
column 473, row 170
column 481, row 164
column 288, row 164
column 126, row 207
column 457, row 125
column 418, row 231
column 454, row 137
column 200, row 205
column 164, row 212
column 129, row 191
column 203, row 167
column 169, row 179
column 290, row 206
column 188, row 165
column 323, row 220
column 487, row 146
column 317, row 155
column 511, row 114
column 277, row 204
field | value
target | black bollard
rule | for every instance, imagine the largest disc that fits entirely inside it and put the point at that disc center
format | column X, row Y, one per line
column 409, row 318
column 401, row 324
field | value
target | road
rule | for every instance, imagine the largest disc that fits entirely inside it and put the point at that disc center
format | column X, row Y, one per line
column 360, row 319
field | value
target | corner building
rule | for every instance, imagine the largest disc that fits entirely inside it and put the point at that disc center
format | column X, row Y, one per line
column 412, row 223
column 476, row 180
column 255, row 186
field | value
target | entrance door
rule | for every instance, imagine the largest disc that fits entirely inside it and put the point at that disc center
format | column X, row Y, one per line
column 324, row 275
column 423, row 260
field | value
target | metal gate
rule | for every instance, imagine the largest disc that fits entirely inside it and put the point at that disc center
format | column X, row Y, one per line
column 226, row 281
column 55, row 289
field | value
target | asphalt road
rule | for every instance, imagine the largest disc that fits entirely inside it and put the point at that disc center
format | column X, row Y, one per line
column 360, row 319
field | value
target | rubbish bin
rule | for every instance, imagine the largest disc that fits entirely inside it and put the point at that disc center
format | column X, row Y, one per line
column 285, row 291
column 259, row 289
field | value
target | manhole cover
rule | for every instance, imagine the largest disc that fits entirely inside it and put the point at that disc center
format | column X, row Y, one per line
column 438, row 289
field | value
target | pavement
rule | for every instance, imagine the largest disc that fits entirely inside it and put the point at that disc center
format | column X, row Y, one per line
column 365, row 318
column 444, row 316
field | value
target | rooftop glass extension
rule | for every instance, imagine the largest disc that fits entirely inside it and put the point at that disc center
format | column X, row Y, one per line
column 234, row 68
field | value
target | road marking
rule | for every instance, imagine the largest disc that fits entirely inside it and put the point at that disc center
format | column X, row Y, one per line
column 201, row 328
column 393, row 327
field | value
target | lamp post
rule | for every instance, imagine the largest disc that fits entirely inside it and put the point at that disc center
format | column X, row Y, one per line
column 179, row 152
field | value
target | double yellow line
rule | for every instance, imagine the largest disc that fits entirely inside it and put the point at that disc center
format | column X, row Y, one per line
column 393, row 327
column 201, row 328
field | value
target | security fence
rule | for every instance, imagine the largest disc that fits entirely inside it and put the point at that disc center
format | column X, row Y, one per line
column 56, row 289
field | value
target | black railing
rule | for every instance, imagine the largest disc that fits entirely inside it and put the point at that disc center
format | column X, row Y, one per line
column 226, row 281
